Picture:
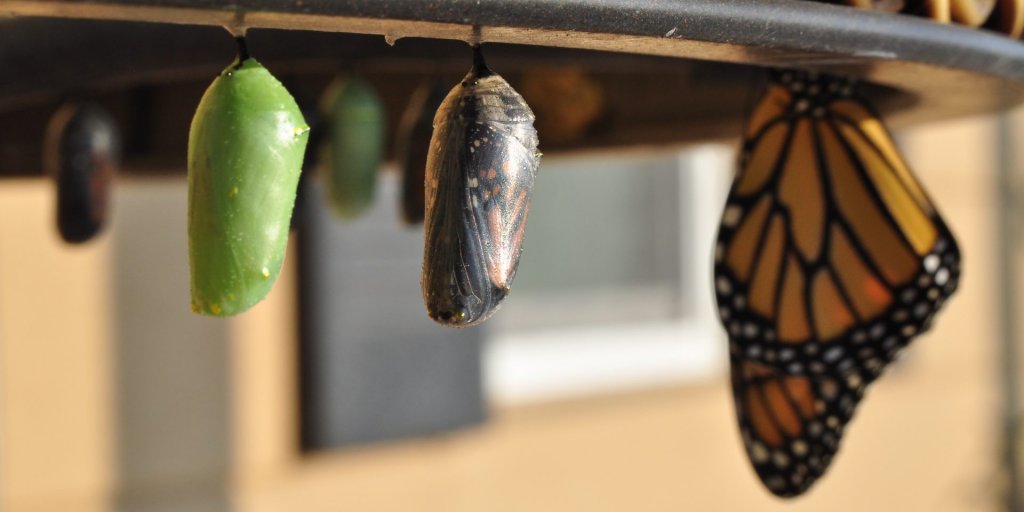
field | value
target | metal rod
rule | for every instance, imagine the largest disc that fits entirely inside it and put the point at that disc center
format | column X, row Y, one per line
column 950, row 69
column 1006, row 248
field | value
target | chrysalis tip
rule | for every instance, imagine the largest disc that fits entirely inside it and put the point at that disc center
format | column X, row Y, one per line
column 243, row 49
column 480, row 68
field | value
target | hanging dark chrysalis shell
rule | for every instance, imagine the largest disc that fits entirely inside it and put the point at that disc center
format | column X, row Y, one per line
column 82, row 154
column 354, row 145
column 414, row 134
column 480, row 173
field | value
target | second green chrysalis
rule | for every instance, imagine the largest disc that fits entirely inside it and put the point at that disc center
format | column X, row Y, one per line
column 354, row 146
column 245, row 153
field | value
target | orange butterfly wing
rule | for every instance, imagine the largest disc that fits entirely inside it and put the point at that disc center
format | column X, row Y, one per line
column 830, row 259
column 830, row 256
column 791, row 425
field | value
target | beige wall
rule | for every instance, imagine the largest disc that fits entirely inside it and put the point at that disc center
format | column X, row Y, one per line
column 56, row 394
column 925, row 437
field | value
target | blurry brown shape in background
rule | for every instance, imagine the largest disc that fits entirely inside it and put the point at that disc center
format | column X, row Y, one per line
column 566, row 101
column 972, row 13
column 1008, row 18
column 413, row 144
column 878, row 5
column 937, row 10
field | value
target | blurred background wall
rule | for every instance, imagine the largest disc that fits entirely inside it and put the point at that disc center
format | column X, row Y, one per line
column 603, row 391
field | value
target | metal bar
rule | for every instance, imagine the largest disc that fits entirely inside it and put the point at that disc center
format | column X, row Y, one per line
column 776, row 32
column 952, row 70
column 1006, row 252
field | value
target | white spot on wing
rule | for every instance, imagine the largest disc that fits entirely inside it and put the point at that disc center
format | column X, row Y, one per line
column 731, row 216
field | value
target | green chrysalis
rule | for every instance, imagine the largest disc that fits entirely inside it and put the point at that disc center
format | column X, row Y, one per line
column 245, row 153
column 354, row 147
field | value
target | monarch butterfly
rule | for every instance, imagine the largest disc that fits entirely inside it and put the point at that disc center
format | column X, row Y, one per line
column 245, row 152
column 480, row 172
column 414, row 133
column 82, row 153
column 355, row 142
column 830, row 258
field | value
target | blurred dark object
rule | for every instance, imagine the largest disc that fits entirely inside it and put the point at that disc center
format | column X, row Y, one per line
column 936, row 10
column 1008, row 17
column 82, row 154
column 413, row 140
column 972, row 13
column 566, row 100
column 877, row 5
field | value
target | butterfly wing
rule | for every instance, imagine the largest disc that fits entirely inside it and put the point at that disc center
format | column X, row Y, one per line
column 791, row 425
column 830, row 256
column 830, row 259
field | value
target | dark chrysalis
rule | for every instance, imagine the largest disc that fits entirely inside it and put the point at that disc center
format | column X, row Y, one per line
column 480, row 173
column 82, row 153
column 414, row 134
